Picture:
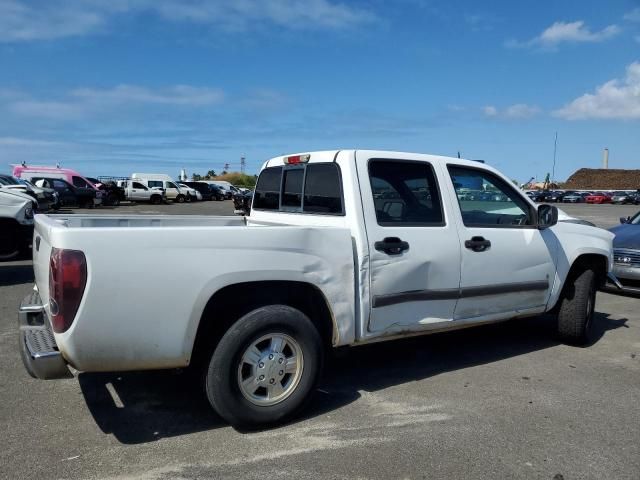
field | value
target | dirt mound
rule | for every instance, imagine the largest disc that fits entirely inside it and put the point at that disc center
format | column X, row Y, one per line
column 604, row 179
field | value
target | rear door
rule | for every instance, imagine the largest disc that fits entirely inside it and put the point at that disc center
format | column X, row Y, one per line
column 507, row 263
column 414, row 252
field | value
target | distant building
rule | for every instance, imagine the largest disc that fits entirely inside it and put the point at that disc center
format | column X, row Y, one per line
column 603, row 179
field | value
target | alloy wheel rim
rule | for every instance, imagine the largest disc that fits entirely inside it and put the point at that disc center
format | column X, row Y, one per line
column 270, row 369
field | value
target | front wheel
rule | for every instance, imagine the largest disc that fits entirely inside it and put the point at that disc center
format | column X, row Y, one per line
column 180, row 199
column 265, row 367
column 575, row 315
column 156, row 199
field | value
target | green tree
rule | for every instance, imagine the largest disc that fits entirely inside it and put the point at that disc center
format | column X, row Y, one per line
column 211, row 174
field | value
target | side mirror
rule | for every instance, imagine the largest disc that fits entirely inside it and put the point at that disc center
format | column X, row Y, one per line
column 625, row 219
column 547, row 216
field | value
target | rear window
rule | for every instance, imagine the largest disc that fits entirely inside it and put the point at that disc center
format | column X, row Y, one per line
column 292, row 188
column 322, row 192
column 267, row 196
column 312, row 188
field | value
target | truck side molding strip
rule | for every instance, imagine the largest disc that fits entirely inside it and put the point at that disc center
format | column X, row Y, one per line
column 455, row 293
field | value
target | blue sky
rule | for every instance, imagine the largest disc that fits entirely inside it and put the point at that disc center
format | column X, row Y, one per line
column 110, row 88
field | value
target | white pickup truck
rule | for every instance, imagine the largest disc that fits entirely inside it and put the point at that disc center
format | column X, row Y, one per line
column 341, row 248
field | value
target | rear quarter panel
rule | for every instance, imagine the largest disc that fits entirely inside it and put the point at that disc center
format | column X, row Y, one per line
column 147, row 287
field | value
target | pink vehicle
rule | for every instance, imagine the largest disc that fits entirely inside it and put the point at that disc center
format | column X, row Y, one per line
column 30, row 172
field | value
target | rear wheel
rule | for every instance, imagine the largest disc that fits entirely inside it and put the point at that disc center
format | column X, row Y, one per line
column 575, row 315
column 114, row 200
column 265, row 367
column 156, row 199
column 180, row 198
column 9, row 241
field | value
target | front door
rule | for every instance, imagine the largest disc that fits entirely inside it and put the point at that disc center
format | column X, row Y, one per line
column 507, row 263
column 414, row 253
column 138, row 192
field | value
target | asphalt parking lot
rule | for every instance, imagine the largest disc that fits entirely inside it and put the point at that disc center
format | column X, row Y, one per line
column 502, row 401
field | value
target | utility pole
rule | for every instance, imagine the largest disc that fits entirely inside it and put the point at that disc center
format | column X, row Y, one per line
column 226, row 167
column 555, row 148
column 242, row 164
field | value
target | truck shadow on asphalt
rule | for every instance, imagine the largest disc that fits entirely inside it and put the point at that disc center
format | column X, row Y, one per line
column 141, row 407
column 15, row 274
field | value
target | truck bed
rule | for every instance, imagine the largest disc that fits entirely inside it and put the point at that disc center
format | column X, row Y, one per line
column 150, row 278
column 139, row 221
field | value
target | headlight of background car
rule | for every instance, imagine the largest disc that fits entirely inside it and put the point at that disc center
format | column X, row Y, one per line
column 28, row 212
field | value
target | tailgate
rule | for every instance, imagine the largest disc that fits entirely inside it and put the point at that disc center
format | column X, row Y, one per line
column 41, row 254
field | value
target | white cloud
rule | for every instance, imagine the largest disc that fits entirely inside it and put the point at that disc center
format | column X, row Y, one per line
column 53, row 19
column 82, row 102
column 567, row 32
column 490, row 110
column 177, row 95
column 616, row 99
column 517, row 111
column 22, row 22
column 633, row 15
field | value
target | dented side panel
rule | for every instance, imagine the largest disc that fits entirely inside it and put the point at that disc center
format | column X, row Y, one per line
column 147, row 287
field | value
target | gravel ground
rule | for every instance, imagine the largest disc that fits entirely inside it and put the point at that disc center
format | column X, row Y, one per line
column 503, row 401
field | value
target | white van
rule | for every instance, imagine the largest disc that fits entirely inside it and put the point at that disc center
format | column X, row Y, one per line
column 160, row 180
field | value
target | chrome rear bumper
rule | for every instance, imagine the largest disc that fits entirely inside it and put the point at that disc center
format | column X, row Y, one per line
column 38, row 348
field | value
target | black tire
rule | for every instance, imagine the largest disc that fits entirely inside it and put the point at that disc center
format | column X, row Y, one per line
column 10, row 244
column 180, row 198
column 114, row 200
column 575, row 315
column 188, row 198
column 156, row 199
column 222, row 383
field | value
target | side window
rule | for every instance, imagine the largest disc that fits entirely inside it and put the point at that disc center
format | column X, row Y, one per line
column 59, row 184
column 405, row 193
column 292, row 188
column 79, row 182
column 267, row 194
column 171, row 185
column 322, row 190
column 138, row 185
column 486, row 200
column 155, row 183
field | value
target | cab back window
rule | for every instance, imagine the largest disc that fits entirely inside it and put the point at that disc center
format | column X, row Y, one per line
column 267, row 196
column 312, row 188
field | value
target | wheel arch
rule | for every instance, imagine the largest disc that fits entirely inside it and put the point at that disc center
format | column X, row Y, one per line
column 597, row 262
column 233, row 301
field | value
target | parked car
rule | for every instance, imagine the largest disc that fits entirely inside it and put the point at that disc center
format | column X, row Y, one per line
column 323, row 261
column 16, row 222
column 137, row 191
column 190, row 192
column 539, row 195
column 224, row 187
column 70, row 196
column 72, row 177
column 577, row 197
column 46, row 198
column 626, row 253
column 557, row 196
column 624, row 198
column 205, row 190
column 159, row 180
column 242, row 202
column 598, row 197
column 112, row 193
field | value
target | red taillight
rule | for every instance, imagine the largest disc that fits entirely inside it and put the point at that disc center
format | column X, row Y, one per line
column 295, row 159
column 67, row 279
